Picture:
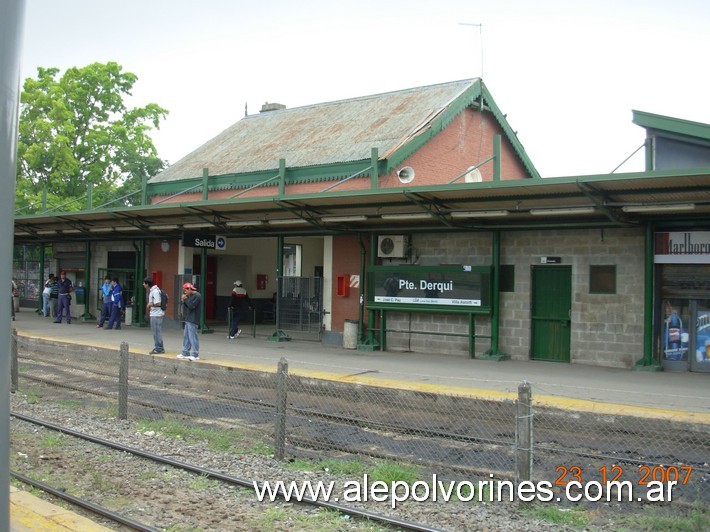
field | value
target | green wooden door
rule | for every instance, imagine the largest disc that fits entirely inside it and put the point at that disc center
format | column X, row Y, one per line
column 551, row 308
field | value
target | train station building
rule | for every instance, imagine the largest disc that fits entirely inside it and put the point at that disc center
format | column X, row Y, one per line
column 414, row 220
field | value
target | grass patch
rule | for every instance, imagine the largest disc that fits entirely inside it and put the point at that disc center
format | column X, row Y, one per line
column 675, row 520
column 70, row 404
column 323, row 520
column 329, row 465
column 53, row 439
column 221, row 440
column 33, row 397
column 560, row 516
column 200, row 482
column 389, row 472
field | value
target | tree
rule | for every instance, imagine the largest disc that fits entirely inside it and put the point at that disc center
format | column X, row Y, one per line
column 76, row 133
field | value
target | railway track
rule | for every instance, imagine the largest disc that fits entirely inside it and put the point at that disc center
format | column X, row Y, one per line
column 202, row 472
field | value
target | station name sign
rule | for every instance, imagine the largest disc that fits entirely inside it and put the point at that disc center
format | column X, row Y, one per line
column 454, row 288
column 204, row 240
column 685, row 247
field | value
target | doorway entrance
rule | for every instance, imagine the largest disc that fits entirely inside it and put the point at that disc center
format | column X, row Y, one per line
column 551, row 313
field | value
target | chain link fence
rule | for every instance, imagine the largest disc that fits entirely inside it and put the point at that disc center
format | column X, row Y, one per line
column 457, row 435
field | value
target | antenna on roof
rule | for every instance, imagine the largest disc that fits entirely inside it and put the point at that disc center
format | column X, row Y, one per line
column 480, row 40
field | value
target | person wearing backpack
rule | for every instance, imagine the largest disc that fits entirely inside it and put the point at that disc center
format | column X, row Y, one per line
column 156, row 310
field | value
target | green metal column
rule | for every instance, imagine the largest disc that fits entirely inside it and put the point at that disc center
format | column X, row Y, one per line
column 204, row 329
column 374, row 172
column 282, row 183
column 42, row 279
column 650, row 153
column 496, row 160
column 494, row 352
column 279, row 335
column 205, row 183
column 371, row 343
column 144, row 190
column 139, row 295
column 87, row 316
column 647, row 363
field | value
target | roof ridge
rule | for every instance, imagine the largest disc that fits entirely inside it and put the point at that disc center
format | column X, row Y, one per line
column 469, row 82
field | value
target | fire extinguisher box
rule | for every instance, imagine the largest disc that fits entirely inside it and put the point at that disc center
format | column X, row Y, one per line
column 343, row 285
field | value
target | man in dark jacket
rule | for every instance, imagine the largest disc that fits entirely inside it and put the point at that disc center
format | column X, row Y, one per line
column 192, row 309
column 237, row 301
column 117, row 304
column 64, row 287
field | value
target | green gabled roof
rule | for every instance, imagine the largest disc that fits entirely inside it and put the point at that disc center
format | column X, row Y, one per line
column 668, row 124
column 337, row 134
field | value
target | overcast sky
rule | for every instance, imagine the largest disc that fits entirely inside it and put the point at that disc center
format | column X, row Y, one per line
column 567, row 73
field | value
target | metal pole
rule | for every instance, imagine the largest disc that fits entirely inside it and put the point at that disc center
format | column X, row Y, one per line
column 14, row 369
column 523, row 434
column 281, row 401
column 12, row 18
column 123, row 382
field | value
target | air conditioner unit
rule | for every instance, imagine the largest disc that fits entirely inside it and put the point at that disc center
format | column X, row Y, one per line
column 392, row 246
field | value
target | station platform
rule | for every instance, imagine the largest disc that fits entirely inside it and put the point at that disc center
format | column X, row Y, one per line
column 30, row 513
column 683, row 396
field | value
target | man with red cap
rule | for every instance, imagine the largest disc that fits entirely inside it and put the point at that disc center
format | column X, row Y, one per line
column 192, row 309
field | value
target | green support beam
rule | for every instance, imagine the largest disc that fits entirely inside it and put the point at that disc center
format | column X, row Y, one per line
column 279, row 335
column 87, row 316
column 647, row 363
column 494, row 353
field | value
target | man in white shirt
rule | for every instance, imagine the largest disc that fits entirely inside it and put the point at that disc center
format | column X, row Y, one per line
column 156, row 314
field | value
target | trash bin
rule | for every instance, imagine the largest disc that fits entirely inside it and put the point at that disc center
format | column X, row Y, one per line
column 350, row 334
column 80, row 293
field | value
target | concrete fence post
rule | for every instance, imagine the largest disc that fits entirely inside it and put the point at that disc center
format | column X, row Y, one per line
column 281, row 398
column 524, row 434
column 123, row 382
column 14, row 376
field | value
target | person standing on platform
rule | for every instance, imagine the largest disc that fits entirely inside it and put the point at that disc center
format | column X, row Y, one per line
column 156, row 313
column 106, row 290
column 116, row 304
column 192, row 308
column 237, row 301
column 54, row 298
column 64, row 287
column 46, row 294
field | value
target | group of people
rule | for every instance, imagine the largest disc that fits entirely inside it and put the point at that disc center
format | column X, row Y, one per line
column 112, row 303
column 57, row 297
column 57, row 300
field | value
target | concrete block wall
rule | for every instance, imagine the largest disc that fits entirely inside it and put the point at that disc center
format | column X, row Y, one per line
column 606, row 329
column 435, row 249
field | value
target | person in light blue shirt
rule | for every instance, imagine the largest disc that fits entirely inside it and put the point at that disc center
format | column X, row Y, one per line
column 106, row 289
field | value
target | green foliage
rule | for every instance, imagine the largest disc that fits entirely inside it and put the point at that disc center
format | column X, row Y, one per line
column 76, row 133
column 561, row 516
column 389, row 472
column 333, row 466
column 696, row 518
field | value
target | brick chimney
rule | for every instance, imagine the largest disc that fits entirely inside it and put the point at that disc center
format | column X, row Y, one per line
column 271, row 107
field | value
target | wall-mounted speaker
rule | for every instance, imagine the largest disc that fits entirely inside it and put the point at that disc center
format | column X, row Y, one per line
column 406, row 174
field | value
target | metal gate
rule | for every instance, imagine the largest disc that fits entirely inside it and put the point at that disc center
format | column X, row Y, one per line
column 299, row 305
